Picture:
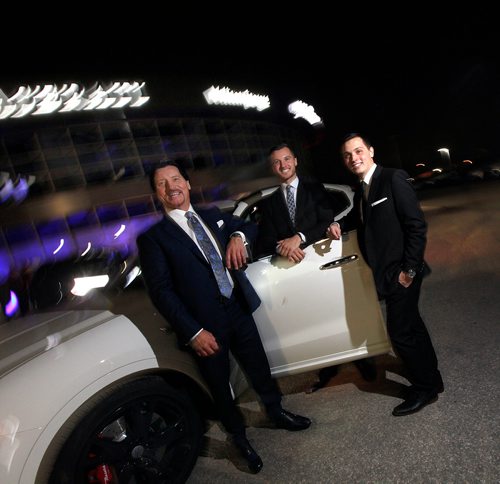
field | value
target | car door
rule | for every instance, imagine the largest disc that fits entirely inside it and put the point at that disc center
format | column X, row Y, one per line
column 321, row 311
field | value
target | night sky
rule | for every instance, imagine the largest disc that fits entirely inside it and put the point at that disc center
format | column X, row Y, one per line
column 414, row 81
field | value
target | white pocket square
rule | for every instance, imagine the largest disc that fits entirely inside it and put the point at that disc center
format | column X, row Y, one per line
column 379, row 201
column 220, row 223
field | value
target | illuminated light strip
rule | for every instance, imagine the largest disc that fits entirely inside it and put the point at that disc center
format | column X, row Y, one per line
column 302, row 110
column 120, row 231
column 89, row 245
column 226, row 96
column 70, row 97
column 61, row 244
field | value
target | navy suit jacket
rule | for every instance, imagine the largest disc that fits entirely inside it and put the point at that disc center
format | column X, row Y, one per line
column 313, row 214
column 179, row 279
column 393, row 233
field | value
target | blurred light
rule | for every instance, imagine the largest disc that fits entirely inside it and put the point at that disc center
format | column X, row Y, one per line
column 89, row 245
column 226, row 96
column 468, row 161
column 132, row 275
column 438, row 170
column 72, row 97
column 120, row 231
column 302, row 110
column 420, row 164
column 61, row 243
column 85, row 284
column 12, row 306
column 444, row 150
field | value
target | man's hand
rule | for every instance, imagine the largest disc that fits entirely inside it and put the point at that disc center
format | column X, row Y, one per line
column 334, row 231
column 205, row 344
column 290, row 248
column 236, row 253
column 404, row 279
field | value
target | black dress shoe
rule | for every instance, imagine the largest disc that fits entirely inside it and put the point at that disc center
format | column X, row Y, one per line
column 248, row 453
column 367, row 368
column 415, row 402
column 289, row 421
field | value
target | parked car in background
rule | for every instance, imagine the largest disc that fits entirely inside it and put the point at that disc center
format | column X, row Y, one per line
column 96, row 390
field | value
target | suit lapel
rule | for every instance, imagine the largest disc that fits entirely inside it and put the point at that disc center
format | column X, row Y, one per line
column 374, row 189
column 174, row 231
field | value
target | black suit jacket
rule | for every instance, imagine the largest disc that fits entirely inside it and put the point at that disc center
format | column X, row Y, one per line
column 393, row 234
column 179, row 279
column 313, row 214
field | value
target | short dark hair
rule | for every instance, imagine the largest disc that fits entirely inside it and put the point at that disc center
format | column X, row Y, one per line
column 162, row 164
column 350, row 136
column 279, row 146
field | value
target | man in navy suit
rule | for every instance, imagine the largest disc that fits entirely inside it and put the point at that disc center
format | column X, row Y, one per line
column 278, row 233
column 184, row 288
column 392, row 235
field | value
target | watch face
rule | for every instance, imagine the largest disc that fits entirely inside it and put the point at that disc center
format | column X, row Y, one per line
column 411, row 273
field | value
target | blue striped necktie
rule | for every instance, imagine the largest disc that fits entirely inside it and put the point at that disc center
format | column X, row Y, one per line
column 212, row 255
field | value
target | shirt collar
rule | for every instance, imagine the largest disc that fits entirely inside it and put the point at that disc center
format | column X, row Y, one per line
column 177, row 214
column 368, row 177
column 294, row 184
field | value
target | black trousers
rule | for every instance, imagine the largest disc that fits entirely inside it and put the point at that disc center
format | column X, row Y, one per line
column 238, row 334
column 410, row 338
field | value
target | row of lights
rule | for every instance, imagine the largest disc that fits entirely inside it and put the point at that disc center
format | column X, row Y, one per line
column 70, row 97
column 227, row 97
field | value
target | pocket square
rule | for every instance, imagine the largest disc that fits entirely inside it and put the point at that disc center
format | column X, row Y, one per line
column 220, row 223
column 379, row 201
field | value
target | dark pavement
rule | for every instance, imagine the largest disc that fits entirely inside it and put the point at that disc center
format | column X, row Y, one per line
column 354, row 438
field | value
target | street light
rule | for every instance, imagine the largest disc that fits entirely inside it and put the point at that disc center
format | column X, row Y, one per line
column 445, row 155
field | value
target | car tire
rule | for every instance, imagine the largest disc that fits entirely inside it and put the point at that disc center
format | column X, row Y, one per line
column 139, row 431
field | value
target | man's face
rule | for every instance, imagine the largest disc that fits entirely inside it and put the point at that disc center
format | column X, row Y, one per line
column 172, row 189
column 283, row 164
column 358, row 158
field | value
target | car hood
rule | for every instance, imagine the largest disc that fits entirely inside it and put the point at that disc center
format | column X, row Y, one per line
column 24, row 338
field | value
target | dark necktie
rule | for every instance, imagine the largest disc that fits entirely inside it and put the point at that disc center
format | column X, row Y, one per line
column 364, row 198
column 290, row 203
column 211, row 254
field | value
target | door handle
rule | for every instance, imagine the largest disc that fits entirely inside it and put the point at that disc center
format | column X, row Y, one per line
column 339, row 262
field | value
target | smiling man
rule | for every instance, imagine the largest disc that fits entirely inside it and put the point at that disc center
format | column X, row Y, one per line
column 295, row 215
column 209, row 304
column 392, row 235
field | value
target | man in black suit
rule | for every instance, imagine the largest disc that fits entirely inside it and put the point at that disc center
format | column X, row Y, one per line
column 313, row 213
column 286, row 232
column 182, row 275
column 392, row 235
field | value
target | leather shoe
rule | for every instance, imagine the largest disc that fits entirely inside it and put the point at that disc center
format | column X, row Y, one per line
column 248, row 453
column 367, row 369
column 414, row 403
column 289, row 421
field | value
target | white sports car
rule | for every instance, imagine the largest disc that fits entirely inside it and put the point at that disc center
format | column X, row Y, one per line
column 94, row 388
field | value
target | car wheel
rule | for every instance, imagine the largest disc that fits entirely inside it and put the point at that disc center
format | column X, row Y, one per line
column 144, row 431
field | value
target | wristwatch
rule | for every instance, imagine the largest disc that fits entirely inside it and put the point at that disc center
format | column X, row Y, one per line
column 411, row 273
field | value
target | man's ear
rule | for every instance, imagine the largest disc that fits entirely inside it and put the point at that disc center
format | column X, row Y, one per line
column 372, row 152
column 188, row 185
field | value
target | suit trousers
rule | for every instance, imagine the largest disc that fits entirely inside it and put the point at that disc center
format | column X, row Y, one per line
column 239, row 335
column 410, row 338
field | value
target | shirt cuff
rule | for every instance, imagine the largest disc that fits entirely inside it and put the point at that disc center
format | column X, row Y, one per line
column 302, row 237
column 241, row 234
column 196, row 334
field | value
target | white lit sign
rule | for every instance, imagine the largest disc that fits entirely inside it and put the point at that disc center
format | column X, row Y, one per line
column 49, row 99
column 226, row 96
column 302, row 110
